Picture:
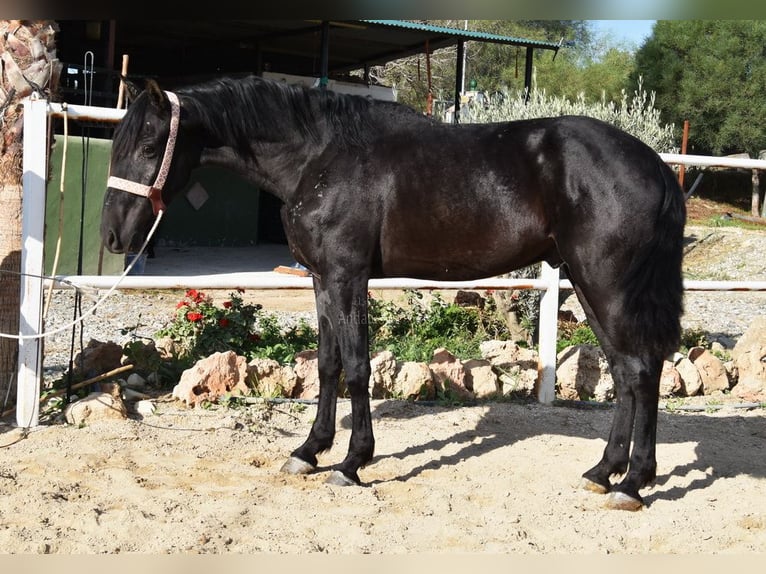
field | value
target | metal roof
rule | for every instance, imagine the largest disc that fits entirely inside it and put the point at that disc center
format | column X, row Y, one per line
column 459, row 34
column 187, row 47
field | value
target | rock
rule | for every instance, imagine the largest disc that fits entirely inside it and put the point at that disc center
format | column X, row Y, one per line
column 270, row 379
column 135, row 382
column 382, row 375
column 100, row 405
column 97, row 358
column 583, row 374
column 469, row 299
column 492, row 349
column 670, row 381
column 213, row 377
column 711, row 370
column 749, row 356
column 690, row 377
column 481, row 379
column 144, row 356
column 414, row 381
column 307, row 372
column 145, row 408
column 167, row 348
column 449, row 374
column 516, row 367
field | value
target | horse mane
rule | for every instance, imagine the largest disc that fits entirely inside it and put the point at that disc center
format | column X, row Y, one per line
column 252, row 110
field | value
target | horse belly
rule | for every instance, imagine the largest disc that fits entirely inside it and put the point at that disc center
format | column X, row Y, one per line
column 452, row 254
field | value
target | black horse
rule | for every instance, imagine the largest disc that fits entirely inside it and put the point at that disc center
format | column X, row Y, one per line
column 374, row 189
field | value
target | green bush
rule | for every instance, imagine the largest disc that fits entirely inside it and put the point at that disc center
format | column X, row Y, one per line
column 635, row 115
column 580, row 334
column 414, row 331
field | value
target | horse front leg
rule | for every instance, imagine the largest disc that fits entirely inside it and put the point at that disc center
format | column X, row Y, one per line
column 303, row 460
column 350, row 296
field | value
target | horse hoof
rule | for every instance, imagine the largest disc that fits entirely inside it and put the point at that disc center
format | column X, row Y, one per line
column 294, row 465
column 621, row 501
column 337, row 478
column 587, row 484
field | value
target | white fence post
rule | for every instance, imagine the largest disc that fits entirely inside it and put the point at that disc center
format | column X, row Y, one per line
column 549, row 307
column 34, row 178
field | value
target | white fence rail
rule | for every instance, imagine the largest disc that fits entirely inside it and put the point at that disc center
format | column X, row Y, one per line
column 30, row 313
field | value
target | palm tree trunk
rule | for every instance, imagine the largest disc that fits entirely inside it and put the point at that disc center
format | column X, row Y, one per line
column 27, row 63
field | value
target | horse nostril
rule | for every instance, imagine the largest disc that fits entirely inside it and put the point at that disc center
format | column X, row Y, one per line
column 113, row 242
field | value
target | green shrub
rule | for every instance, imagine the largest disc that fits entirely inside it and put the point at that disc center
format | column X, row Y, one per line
column 635, row 115
column 580, row 334
column 415, row 331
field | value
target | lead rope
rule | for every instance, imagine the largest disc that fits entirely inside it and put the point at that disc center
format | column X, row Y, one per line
column 61, row 211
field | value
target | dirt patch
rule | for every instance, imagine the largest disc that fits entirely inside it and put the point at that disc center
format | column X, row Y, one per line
column 500, row 477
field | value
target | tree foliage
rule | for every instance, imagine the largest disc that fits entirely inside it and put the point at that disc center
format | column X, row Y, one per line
column 596, row 67
column 712, row 73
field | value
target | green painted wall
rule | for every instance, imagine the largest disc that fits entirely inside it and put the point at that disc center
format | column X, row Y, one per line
column 229, row 217
column 98, row 153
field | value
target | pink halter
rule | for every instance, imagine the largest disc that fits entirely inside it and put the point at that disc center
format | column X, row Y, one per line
column 154, row 192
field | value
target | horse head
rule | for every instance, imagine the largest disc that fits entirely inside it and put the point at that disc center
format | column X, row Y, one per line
column 153, row 155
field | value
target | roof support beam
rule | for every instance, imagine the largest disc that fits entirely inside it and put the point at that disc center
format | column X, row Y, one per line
column 528, row 73
column 458, row 80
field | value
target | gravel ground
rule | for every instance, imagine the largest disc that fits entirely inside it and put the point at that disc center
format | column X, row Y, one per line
column 711, row 254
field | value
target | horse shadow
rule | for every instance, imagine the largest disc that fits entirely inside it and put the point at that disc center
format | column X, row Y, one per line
column 727, row 445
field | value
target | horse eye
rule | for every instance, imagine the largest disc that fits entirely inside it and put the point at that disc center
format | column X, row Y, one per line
column 147, row 150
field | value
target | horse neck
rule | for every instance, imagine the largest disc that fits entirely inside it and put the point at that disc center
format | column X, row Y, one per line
column 274, row 163
column 275, row 167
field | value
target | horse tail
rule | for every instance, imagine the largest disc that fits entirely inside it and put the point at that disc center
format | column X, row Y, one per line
column 653, row 283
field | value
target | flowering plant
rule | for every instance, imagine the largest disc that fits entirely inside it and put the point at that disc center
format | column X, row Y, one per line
column 201, row 328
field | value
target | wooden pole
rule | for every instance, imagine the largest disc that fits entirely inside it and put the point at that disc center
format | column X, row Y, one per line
column 684, row 140
column 124, row 72
column 429, row 96
column 458, row 80
column 528, row 65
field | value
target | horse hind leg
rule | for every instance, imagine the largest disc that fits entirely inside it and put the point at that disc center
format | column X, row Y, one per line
column 636, row 375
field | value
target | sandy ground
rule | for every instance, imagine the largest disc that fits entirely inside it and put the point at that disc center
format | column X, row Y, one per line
column 494, row 478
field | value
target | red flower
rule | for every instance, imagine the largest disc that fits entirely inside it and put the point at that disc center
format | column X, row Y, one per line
column 182, row 304
column 223, row 323
column 227, row 304
column 193, row 316
column 196, row 296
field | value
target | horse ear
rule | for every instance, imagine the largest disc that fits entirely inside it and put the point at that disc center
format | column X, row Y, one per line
column 156, row 95
column 131, row 87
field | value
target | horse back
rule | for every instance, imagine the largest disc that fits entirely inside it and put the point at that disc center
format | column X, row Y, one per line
column 463, row 202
